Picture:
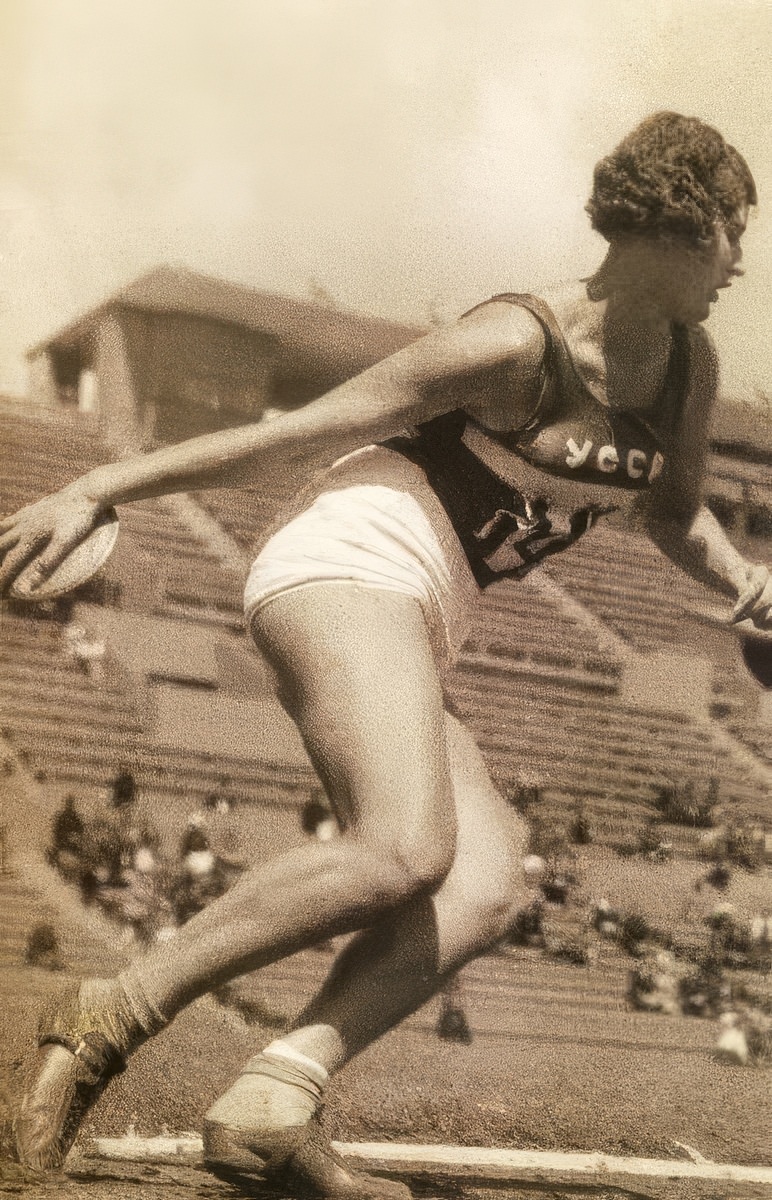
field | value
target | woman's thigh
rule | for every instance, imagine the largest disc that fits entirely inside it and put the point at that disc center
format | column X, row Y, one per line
column 358, row 676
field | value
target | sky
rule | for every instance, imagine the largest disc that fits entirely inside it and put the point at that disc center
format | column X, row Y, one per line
column 405, row 158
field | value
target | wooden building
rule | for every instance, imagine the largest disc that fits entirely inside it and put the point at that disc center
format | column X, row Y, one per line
column 175, row 354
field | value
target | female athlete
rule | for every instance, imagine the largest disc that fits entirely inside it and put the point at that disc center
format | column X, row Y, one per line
column 469, row 455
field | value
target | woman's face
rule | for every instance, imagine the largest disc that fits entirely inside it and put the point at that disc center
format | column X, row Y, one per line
column 701, row 274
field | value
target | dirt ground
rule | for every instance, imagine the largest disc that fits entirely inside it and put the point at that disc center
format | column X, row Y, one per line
column 580, row 1073
column 537, row 1091
column 99, row 1180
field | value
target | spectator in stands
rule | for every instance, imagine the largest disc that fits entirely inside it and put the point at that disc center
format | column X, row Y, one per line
column 220, row 800
column 317, row 819
column 133, row 833
column 42, row 949
column 202, row 876
column 223, row 817
column 117, row 860
column 101, row 861
column 67, row 831
column 141, row 903
column 5, row 857
column 88, row 654
column 452, row 1023
column 531, row 419
column 124, row 788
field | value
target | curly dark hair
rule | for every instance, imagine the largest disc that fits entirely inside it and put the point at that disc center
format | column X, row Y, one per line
column 673, row 176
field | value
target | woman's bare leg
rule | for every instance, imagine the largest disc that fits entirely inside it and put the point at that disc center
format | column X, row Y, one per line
column 360, row 680
column 385, row 974
column 358, row 676
column 389, row 971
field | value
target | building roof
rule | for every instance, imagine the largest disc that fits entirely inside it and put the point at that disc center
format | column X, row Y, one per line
column 326, row 339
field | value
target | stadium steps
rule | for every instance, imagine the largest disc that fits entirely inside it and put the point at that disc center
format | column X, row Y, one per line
column 504, row 714
column 187, row 578
column 22, row 908
column 507, row 700
column 89, row 767
column 736, row 702
column 520, row 994
column 514, row 622
column 621, row 578
column 531, row 668
column 756, row 735
column 245, row 514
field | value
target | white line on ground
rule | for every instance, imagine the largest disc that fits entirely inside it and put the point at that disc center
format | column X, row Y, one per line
column 455, row 1160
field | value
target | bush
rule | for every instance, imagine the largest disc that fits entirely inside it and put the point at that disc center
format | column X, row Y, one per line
column 679, row 804
column 579, row 831
column 739, row 845
column 526, row 928
column 634, row 930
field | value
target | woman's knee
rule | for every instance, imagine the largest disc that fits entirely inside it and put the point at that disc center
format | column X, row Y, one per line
column 416, row 861
column 428, row 860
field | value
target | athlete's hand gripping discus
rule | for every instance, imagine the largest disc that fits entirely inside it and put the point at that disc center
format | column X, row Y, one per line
column 75, row 569
column 755, row 604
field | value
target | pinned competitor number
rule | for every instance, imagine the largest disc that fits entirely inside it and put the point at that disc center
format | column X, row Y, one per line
column 77, row 568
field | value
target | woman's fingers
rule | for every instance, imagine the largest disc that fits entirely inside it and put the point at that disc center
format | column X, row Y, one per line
column 21, row 550
column 46, row 531
column 8, row 540
column 755, row 601
column 53, row 555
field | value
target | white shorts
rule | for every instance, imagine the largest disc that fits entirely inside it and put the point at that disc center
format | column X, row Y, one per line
column 374, row 522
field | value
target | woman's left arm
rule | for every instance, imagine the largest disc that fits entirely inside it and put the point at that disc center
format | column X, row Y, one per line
column 681, row 524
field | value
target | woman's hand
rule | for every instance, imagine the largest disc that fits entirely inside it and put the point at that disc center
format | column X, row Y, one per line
column 46, row 531
column 754, row 602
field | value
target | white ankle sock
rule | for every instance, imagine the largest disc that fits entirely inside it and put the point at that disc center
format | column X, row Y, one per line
column 286, row 1052
column 278, row 1089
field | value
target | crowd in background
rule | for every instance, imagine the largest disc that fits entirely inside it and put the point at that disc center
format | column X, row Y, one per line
column 117, row 862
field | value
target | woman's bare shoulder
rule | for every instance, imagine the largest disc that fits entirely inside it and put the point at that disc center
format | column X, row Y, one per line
column 514, row 342
column 507, row 334
column 505, row 343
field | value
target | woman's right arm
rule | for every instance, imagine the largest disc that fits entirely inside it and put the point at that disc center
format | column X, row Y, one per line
column 449, row 368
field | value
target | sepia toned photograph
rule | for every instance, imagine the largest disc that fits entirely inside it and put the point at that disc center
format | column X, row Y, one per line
column 385, row 599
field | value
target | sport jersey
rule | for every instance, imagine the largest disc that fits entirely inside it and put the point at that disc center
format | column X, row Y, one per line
column 516, row 496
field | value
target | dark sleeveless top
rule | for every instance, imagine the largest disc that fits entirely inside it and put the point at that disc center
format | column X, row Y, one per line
column 516, row 496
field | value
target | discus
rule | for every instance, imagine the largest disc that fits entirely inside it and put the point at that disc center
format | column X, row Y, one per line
column 80, row 565
column 756, row 647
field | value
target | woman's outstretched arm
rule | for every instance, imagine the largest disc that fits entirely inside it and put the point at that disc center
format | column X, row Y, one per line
column 680, row 523
column 448, row 368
